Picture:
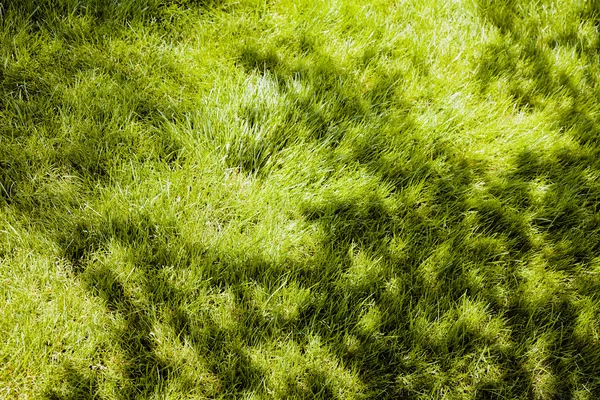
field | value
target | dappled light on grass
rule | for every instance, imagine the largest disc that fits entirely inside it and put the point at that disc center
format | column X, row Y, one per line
column 211, row 199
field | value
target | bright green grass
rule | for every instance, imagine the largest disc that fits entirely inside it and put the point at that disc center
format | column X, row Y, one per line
column 299, row 199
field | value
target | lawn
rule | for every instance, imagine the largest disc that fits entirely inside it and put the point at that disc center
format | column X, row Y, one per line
column 286, row 199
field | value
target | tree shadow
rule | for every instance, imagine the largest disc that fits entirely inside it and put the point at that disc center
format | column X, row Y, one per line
column 491, row 228
column 74, row 385
column 158, row 301
column 323, row 102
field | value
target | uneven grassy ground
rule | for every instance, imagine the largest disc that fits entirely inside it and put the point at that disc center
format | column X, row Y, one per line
column 299, row 199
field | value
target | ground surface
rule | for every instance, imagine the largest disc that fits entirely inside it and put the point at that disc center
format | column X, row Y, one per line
column 299, row 199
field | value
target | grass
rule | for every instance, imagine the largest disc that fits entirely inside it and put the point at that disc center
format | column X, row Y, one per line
column 299, row 199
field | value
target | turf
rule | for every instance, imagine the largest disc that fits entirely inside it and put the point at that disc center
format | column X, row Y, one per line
column 299, row 199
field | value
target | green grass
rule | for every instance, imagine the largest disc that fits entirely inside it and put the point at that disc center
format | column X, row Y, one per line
column 299, row 199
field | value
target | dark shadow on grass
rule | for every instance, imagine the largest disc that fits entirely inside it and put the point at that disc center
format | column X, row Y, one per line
column 74, row 386
column 333, row 103
column 105, row 16
column 565, row 209
column 146, row 371
column 567, row 221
